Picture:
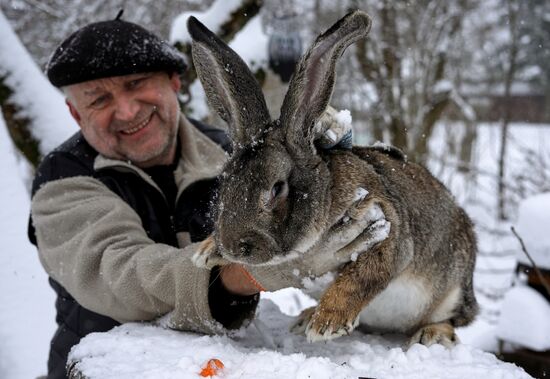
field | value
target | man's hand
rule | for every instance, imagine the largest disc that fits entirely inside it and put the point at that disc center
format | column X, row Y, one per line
column 234, row 277
column 334, row 130
column 237, row 280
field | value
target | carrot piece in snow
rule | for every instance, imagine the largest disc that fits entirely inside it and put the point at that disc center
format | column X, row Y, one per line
column 212, row 368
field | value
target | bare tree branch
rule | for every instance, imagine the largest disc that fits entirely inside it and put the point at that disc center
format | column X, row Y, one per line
column 45, row 8
column 545, row 284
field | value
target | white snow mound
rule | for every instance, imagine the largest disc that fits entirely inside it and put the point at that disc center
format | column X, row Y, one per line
column 533, row 221
column 148, row 351
column 525, row 319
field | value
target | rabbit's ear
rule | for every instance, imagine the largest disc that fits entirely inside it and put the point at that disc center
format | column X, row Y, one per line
column 310, row 88
column 231, row 89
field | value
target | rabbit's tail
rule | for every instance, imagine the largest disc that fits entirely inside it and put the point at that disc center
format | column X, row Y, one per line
column 467, row 308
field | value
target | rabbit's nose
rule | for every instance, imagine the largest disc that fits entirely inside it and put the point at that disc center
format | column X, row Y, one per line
column 244, row 247
column 251, row 247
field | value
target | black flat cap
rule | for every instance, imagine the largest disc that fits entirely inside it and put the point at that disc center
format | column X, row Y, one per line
column 111, row 48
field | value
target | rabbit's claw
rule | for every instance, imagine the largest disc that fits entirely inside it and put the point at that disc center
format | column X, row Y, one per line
column 299, row 327
column 207, row 255
column 442, row 333
column 325, row 326
column 359, row 209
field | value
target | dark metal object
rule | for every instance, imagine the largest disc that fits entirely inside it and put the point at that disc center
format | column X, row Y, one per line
column 285, row 47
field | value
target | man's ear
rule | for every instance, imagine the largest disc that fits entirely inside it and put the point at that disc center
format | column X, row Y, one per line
column 176, row 81
column 73, row 111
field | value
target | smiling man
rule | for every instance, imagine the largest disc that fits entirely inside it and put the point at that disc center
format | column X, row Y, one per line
column 118, row 209
column 132, row 118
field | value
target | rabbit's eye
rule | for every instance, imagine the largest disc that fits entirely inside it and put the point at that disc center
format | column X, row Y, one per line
column 279, row 189
column 273, row 198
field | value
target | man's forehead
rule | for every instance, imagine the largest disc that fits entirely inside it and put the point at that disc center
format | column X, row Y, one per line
column 93, row 87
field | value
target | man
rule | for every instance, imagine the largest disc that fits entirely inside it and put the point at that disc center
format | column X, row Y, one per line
column 118, row 208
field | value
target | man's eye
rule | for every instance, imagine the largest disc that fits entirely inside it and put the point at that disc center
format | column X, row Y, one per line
column 99, row 102
column 135, row 83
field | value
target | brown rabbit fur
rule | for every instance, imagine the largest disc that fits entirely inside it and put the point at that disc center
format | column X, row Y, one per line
column 280, row 194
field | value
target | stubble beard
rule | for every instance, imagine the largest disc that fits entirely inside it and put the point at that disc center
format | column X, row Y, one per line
column 160, row 154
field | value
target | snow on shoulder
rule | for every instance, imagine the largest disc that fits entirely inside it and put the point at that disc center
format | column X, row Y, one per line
column 266, row 349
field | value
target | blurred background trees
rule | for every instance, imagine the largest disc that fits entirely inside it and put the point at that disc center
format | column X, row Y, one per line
column 425, row 60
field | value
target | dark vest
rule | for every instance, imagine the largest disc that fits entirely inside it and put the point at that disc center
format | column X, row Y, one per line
column 160, row 219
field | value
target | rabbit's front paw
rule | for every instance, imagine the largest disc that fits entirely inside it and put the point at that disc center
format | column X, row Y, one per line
column 327, row 325
column 442, row 333
column 207, row 255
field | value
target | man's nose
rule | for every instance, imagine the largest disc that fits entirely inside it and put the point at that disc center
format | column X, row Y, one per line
column 127, row 108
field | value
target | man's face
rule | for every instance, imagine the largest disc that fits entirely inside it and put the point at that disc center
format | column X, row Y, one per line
column 131, row 118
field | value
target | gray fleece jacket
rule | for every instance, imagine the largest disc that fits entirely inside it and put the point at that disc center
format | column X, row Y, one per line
column 94, row 243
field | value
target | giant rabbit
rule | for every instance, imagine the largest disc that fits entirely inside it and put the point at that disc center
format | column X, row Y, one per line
column 279, row 195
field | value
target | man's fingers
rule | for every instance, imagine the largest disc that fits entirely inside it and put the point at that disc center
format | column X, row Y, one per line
column 376, row 232
column 237, row 280
column 334, row 130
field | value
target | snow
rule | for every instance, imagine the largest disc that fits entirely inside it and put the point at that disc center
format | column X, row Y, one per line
column 266, row 349
column 360, row 194
column 26, row 302
column 466, row 109
column 383, row 146
column 443, row 86
column 316, row 286
column 524, row 319
column 198, row 106
column 45, row 106
column 343, row 117
column 252, row 50
column 532, row 227
column 213, row 18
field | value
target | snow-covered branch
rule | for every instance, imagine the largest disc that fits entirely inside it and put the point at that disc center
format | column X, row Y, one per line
column 34, row 110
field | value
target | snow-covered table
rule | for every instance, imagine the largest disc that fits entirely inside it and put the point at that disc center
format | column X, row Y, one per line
column 266, row 349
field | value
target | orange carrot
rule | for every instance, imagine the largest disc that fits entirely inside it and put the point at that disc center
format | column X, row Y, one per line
column 211, row 368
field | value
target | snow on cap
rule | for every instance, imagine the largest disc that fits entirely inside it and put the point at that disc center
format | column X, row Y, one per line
column 111, row 48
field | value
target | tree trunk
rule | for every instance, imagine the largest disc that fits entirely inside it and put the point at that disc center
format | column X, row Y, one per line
column 546, row 115
column 392, row 62
column 467, row 146
column 512, row 15
column 436, row 102
column 18, row 126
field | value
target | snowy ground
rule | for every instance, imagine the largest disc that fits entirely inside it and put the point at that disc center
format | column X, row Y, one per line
column 26, row 300
column 266, row 349
column 27, row 311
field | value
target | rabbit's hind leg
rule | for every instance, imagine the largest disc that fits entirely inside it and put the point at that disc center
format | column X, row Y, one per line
column 441, row 332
